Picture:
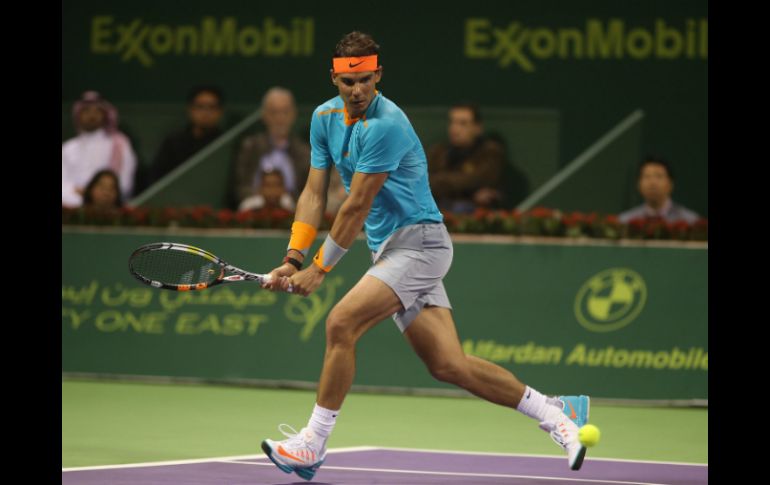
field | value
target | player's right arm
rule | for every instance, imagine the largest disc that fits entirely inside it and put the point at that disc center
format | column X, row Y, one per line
column 309, row 214
column 311, row 206
column 312, row 201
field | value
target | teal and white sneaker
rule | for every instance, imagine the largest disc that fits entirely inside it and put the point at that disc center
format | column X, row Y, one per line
column 576, row 408
column 564, row 432
column 298, row 453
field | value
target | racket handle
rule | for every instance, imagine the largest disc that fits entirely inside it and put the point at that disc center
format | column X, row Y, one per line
column 290, row 289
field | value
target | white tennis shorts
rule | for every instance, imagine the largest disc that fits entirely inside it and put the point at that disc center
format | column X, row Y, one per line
column 412, row 262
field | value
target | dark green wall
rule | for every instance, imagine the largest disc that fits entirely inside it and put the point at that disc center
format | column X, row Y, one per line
column 611, row 321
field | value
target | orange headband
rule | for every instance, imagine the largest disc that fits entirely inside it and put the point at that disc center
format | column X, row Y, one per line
column 355, row 64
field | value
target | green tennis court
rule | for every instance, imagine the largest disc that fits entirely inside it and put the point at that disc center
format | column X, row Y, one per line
column 107, row 423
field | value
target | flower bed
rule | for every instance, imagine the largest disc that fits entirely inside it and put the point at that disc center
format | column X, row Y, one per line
column 539, row 221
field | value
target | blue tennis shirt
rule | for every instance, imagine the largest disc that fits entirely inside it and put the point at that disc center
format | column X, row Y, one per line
column 382, row 140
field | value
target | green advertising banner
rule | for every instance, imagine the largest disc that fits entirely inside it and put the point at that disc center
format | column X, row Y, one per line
column 592, row 61
column 612, row 321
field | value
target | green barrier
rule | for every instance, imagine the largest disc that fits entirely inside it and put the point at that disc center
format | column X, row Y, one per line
column 609, row 164
column 609, row 320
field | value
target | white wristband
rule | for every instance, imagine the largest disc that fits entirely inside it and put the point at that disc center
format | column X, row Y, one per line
column 329, row 254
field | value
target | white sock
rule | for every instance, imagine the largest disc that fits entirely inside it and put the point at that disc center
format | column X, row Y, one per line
column 322, row 423
column 536, row 405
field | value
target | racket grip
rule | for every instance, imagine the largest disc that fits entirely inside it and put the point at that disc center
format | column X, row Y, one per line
column 290, row 289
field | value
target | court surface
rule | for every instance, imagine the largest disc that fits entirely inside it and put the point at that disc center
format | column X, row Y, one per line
column 131, row 433
column 366, row 465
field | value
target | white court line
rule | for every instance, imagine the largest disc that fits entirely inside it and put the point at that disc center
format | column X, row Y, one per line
column 526, row 455
column 202, row 460
column 460, row 474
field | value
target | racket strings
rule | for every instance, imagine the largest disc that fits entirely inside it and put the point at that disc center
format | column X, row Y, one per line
column 175, row 267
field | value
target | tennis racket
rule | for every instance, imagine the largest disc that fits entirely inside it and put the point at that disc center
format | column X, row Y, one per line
column 181, row 267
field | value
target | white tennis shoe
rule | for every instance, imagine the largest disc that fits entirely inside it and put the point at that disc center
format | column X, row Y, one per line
column 565, row 433
column 299, row 453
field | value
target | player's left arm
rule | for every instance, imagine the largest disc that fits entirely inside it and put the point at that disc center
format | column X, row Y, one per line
column 384, row 143
column 347, row 225
column 350, row 219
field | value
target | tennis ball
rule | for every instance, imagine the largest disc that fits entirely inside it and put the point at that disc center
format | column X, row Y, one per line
column 589, row 435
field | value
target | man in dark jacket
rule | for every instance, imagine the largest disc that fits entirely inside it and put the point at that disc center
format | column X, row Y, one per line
column 204, row 110
column 466, row 171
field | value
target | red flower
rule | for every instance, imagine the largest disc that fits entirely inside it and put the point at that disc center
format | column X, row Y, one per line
column 280, row 214
column 136, row 216
column 169, row 214
column 200, row 213
column 574, row 219
column 481, row 213
column 657, row 228
column 680, row 225
column 637, row 223
column 541, row 212
column 679, row 229
column 224, row 217
column 244, row 217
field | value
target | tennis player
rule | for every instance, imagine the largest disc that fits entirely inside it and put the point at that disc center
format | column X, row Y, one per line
column 382, row 163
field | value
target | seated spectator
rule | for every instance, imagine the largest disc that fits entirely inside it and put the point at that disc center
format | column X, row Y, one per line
column 465, row 171
column 204, row 113
column 277, row 147
column 272, row 193
column 656, row 182
column 103, row 192
column 513, row 179
column 99, row 145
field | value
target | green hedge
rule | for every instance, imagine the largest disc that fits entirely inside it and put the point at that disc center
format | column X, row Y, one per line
column 539, row 221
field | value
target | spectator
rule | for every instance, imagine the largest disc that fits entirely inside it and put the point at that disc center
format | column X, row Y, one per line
column 103, row 192
column 272, row 193
column 98, row 145
column 465, row 171
column 277, row 147
column 204, row 112
column 656, row 182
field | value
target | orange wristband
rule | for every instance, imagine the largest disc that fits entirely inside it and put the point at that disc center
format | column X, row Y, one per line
column 302, row 237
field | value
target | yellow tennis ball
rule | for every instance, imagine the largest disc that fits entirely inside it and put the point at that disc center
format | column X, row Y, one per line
column 589, row 435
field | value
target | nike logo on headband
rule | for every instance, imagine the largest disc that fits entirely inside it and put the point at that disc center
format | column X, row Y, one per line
column 354, row 65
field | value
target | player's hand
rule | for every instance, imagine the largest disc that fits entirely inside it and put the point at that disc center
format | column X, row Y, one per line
column 279, row 278
column 308, row 280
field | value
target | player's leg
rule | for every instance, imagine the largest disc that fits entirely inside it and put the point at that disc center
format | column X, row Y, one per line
column 367, row 303
column 434, row 338
column 370, row 301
